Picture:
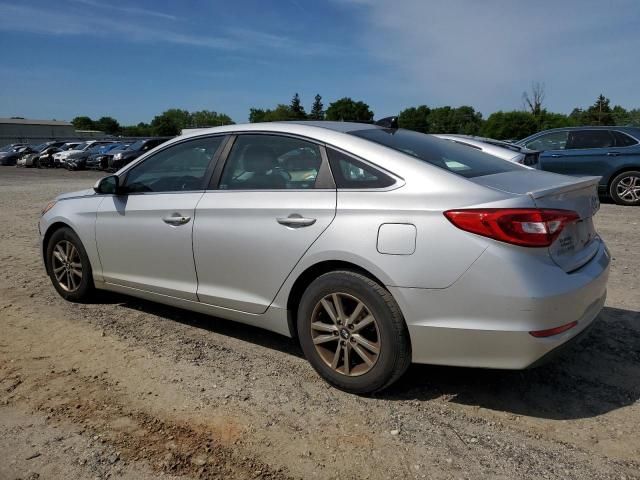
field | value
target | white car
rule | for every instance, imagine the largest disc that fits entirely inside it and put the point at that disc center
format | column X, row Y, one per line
column 60, row 158
column 497, row 148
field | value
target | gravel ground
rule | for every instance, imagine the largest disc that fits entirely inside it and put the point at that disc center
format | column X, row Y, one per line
column 124, row 388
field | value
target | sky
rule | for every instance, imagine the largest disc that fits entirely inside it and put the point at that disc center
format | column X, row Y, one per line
column 134, row 59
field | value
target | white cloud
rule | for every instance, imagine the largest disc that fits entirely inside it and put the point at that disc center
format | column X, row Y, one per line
column 485, row 53
column 81, row 23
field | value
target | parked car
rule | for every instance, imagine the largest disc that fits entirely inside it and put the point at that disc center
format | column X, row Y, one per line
column 613, row 153
column 124, row 157
column 30, row 157
column 79, row 162
column 100, row 160
column 61, row 157
column 497, row 148
column 392, row 246
column 9, row 153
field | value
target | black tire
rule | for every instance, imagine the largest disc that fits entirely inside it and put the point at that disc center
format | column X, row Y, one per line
column 85, row 287
column 617, row 188
column 394, row 355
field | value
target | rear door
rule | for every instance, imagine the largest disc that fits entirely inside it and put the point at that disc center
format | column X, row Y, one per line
column 274, row 197
column 144, row 235
column 586, row 153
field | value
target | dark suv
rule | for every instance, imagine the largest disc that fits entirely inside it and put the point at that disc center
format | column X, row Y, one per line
column 121, row 158
column 613, row 153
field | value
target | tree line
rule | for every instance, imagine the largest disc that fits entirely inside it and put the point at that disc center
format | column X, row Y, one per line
column 465, row 119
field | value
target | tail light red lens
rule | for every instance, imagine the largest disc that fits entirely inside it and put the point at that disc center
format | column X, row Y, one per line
column 553, row 331
column 527, row 227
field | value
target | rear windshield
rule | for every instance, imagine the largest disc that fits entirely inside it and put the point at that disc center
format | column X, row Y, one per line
column 458, row 159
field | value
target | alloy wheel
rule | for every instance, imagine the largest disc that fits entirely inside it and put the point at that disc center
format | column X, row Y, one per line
column 67, row 265
column 628, row 188
column 345, row 334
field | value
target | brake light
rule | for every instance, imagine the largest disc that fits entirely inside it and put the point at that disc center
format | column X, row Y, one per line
column 527, row 227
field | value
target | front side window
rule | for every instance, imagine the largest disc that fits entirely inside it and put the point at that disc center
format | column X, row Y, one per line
column 549, row 141
column 271, row 162
column 579, row 139
column 351, row 173
column 181, row 167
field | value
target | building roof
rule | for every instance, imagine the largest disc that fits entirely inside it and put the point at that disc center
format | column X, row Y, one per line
column 27, row 121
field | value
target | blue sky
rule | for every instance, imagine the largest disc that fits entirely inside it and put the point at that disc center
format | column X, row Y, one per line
column 132, row 60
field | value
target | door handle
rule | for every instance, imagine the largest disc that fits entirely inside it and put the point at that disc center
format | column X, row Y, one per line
column 295, row 221
column 176, row 220
column 555, row 155
column 613, row 154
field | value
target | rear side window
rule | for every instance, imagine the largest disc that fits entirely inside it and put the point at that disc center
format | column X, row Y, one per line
column 351, row 173
column 458, row 159
column 622, row 139
column 589, row 139
column 549, row 141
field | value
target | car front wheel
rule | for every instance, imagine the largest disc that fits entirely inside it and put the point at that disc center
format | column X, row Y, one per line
column 68, row 266
column 352, row 332
column 625, row 188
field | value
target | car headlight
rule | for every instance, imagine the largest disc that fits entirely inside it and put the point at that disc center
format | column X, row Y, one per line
column 117, row 156
column 48, row 207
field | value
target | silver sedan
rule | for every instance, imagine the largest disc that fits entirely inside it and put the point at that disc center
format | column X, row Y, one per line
column 375, row 247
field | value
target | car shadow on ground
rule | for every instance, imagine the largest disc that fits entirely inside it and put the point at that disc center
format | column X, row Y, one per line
column 246, row 333
column 597, row 375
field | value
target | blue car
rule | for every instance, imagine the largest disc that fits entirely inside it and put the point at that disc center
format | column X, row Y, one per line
column 613, row 153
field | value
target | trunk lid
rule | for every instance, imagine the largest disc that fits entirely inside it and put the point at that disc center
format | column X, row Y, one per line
column 578, row 242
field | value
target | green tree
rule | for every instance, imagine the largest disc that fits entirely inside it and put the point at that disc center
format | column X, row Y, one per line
column 108, row 125
column 209, row 118
column 554, row 120
column 347, row 110
column 515, row 124
column 620, row 115
column 462, row 120
column 256, row 115
column 181, row 118
column 633, row 117
column 140, row 130
column 600, row 113
column 317, row 112
column 165, row 126
column 296, row 109
column 83, row 123
column 415, row 118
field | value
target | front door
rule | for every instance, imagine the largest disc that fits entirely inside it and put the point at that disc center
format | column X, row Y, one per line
column 144, row 234
column 270, row 205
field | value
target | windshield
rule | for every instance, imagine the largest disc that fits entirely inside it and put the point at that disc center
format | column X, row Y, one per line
column 458, row 159
column 80, row 146
column 137, row 145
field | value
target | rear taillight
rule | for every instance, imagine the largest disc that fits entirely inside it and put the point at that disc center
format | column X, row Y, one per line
column 527, row 227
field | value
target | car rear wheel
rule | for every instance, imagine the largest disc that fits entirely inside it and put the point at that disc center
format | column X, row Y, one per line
column 625, row 188
column 68, row 266
column 352, row 332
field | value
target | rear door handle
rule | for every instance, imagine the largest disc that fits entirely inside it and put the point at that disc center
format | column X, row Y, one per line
column 613, row 154
column 176, row 220
column 555, row 155
column 295, row 221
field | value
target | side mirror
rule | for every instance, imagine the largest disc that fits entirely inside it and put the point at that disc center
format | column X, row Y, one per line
column 108, row 185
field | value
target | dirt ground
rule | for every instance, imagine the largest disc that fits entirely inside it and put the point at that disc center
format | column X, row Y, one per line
column 123, row 388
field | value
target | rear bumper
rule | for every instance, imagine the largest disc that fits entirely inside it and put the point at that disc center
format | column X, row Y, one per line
column 484, row 319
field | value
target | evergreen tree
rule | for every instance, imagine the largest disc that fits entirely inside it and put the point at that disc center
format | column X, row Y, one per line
column 317, row 112
column 296, row 108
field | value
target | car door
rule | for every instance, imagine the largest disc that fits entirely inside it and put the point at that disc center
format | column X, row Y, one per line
column 585, row 153
column 274, row 197
column 144, row 234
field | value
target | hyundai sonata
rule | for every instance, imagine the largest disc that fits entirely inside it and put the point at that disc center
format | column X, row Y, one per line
column 372, row 245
